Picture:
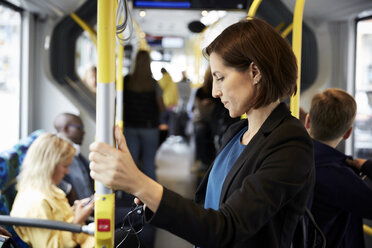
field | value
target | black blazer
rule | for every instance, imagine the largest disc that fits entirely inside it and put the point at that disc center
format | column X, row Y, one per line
column 263, row 197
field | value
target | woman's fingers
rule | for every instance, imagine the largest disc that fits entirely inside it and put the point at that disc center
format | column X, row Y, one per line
column 103, row 174
column 137, row 201
column 3, row 231
column 113, row 167
column 120, row 139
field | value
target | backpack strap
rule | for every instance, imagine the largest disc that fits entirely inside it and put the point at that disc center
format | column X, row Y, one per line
column 317, row 231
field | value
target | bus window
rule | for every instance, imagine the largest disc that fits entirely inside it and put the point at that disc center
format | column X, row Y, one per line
column 86, row 58
column 363, row 90
column 10, row 34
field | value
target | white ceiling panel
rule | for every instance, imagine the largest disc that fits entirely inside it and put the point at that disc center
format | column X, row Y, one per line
column 331, row 10
column 166, row 22
column 51, row 8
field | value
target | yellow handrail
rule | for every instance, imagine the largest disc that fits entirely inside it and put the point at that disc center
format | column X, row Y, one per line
column 296, row 46
column 198, row 57
column 104, row 197
column 198, row 51
column 141, row 37
column 253, row 9
column 280, row 26
column 367, row 230
column 92, row 33
column 287, row 30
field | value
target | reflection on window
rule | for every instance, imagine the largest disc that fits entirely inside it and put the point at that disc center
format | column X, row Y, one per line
column 363, row 90
column 86, row 60
column 10, row 23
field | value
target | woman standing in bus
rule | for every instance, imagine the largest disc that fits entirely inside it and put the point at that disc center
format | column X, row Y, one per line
column 142, row 106
column 256, row 191
column 46, row 163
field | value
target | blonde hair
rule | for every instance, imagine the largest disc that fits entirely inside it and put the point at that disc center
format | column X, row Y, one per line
column 43, row 156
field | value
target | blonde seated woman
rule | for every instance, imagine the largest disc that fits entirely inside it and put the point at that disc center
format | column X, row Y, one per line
column 46, row 163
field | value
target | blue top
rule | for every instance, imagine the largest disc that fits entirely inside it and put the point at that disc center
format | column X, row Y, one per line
column 222, row 165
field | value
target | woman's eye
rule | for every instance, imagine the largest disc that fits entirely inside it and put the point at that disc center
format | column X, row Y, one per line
column 220, row 79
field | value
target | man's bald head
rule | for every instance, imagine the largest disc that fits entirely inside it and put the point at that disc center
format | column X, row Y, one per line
column 71, row 126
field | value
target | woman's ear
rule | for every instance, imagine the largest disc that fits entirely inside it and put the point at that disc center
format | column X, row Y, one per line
column 307, row 122
column 256, row 73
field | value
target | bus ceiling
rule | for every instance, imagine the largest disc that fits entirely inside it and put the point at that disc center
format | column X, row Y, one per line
column 332, row 10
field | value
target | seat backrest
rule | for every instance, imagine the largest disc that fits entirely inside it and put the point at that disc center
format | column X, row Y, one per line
column 22, row 146
column 9, row 169
column 10, row 165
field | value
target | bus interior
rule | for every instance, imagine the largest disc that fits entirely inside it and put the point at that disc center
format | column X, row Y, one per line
column 47, row 47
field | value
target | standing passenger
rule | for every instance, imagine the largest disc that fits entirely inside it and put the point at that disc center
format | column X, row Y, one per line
column 255, row 192
column 170, row 98
column 170, row 90
column 142, row 107
column 204, row 105
column 184, row 91
column 143, row 104
column 182, row 117
column 341, row 197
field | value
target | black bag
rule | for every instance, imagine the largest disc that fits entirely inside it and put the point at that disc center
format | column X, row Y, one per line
column 7, row 242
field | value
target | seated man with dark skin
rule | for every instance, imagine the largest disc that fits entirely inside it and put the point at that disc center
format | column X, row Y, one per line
column 72, row 127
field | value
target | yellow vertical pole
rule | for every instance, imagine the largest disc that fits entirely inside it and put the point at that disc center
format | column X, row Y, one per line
column 120, row 88
column 198, row 54
column 104, row 197
column 297, row 46
column 119, row 113
column 251, row 14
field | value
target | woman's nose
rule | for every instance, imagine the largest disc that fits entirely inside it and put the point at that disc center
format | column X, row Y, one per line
column 216, row 91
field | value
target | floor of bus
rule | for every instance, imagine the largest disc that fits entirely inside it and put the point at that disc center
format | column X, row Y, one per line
column 173, row 171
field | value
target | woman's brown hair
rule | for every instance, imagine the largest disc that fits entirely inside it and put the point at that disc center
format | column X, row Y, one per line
column 208, row 81
column 256, row 41
column 141, row 79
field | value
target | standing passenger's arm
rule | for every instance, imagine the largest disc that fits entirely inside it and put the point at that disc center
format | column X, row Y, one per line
column 363, row 165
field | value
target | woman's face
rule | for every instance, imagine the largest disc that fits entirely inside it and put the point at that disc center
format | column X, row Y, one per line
column 61, row 170
column 234, row 88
